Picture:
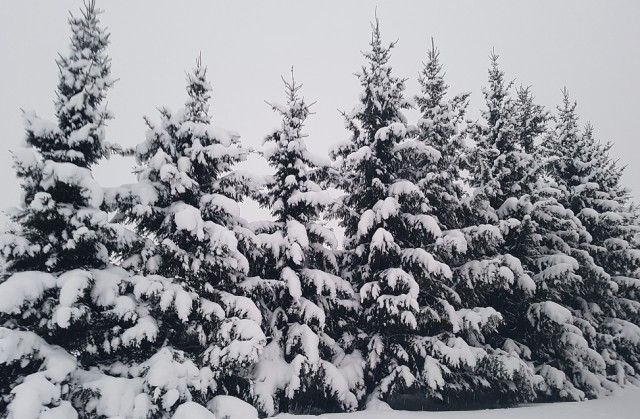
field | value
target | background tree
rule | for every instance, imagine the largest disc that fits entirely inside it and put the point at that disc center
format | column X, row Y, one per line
column 546, row 238
column 590, row 183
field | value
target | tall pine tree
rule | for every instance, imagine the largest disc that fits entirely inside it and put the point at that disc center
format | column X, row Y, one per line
column 306, row 305
column 545, row 237
column 58, row 252
column 470, row 250
column 185, row 204
column 591, row 189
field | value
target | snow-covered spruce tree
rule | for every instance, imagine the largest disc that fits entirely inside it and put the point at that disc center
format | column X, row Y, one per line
column 373, row 218
column 591, row 189
column 306, row 306
column 546, row 238
column 551, row 329
column 481, row 277
column 185, row 203
column 60, row 225
column 412, row 322
column 531, row 120
column 51, row 308
column 501, row 162
column 441, row 145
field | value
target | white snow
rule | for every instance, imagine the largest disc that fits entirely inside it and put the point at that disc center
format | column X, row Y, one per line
column 188, row 218
column 385, row 209
column 426, row 222
column 22, row 287
column 361, row 154
column 427, row 262
column 192, row 410
column 293, row 282
column 454, row 240
column 382, row 240
column 314, row 198
column 227, row 407
column 366, row 222
column 622, row 405
column 551, row 310
column 221, row 202
column 404, row 187
column 73, row 175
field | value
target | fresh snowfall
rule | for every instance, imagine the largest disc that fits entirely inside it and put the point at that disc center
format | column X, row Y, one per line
column 488, row 268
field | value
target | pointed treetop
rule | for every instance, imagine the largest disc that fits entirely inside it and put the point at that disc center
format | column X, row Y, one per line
column 84, row 78
column 587, row 132
column 568, row 106
column 497, row 93
column 379, row 54
column 494, row 71
column 567, row 119
column 532, row 119
column 496, row 79
column 296, row 106
column 199, row 91
column 383, row 96
column 431, row 79
column 291, row 88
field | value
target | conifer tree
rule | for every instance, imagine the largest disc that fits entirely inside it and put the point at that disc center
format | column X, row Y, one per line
column 307, row 305
column 414, row 321
column 186, row 204
column 470, row 251
column 58, row 251
column 442, row 133
column 60, row 225
column 373, row 219
column 590, row 184
column 546, row 237
column 531, row 120
column 502, row 164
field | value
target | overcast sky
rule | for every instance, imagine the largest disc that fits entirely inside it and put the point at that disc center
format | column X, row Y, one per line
column 590, row 47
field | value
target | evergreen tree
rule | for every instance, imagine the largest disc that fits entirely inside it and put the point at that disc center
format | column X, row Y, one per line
column 590, row 184
column 546, row 328
column 417, row 329
column 60, row 225
column 373, row 219
column 531, row 120
column 442, row 134
column 501, row 164
column 305, row 303
column 481, row 278
column 185, row 203
column 58, row 251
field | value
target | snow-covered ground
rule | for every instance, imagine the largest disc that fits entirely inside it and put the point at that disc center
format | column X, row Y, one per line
column 625, row 404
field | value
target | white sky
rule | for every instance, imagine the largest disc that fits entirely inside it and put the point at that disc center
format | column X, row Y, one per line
column 592, row 47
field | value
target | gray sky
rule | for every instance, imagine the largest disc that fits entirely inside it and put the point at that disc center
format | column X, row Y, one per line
column 591, row 47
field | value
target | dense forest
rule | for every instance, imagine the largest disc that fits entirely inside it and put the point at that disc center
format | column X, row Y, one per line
column 484, row 263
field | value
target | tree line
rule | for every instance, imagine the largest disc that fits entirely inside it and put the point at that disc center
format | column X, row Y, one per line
column 485, row 263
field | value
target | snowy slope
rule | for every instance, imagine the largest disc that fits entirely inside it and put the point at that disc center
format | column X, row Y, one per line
column 625, row 404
